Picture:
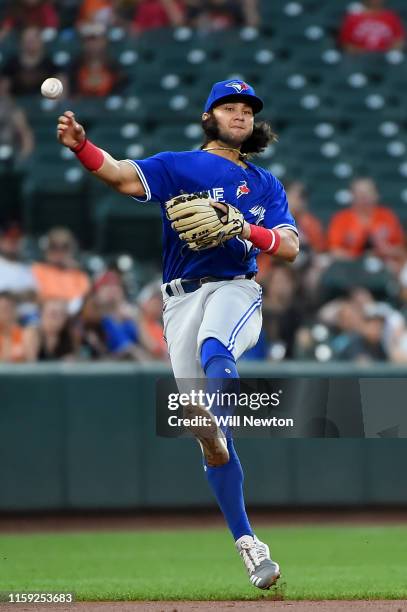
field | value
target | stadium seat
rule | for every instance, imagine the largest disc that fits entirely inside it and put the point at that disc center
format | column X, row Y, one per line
column 64, row 50
column 10, row 188
column 304, row 107
column 175, row 137
column 329, row 14
column 124, row 225
column 121, row 140
column 55, row 194
column 343, row 275
column 8, row 47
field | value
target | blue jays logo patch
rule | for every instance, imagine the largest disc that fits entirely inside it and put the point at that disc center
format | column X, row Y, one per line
column 243, row 189
column 238, row 86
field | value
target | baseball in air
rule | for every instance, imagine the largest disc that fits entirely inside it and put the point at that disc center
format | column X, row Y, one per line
column 52, row 88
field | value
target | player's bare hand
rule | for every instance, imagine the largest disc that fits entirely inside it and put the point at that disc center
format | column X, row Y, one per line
column 220, row 207
column 223, row 208
column 69, row 132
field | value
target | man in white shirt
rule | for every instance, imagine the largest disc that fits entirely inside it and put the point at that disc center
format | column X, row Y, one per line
column 15, row 276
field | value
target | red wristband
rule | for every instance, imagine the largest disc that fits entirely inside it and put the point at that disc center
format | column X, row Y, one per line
column 89, row 155
column 267, row 240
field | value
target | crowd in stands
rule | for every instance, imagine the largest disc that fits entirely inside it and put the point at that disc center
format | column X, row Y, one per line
column 53, row 307
column 373, row 27
column 326, row 305
column 137, row 15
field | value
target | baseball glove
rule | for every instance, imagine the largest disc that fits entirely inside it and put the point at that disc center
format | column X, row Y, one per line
column 200, row 223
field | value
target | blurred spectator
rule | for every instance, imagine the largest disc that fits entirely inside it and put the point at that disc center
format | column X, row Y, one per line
column 282, row 312
column 30, row 66
column 118, row 319
column 310, row 229
column 95, row 73
column 358, row 299
column 364, row 343
column 345, row 321
column 394, row 322
column 313, row 243
column 251, row 13
column 15, row 132
column 150, row 14
column 150, row 321
column 363, row 329
column 213, row 15
column 59, row 277
column 16, row 343
column 365, row 226
column 53, row 338
column 16, row 146
column 22, row 14
column 398, row 348
column 374, row 29
column 15, row 276
column 402, row 275
column 92, row 335
column 97, row 11
column 369, row 345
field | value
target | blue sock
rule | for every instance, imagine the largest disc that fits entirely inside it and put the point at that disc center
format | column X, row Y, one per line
column 222, row 375
column 217, row 361
column 226, row 480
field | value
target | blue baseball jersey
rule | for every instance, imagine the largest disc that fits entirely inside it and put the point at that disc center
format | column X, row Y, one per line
column 254, row 191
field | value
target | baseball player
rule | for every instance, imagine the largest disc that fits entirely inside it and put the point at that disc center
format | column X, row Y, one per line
column 219, row 212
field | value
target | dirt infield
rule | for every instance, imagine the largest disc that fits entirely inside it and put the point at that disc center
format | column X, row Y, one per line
column 219, row 606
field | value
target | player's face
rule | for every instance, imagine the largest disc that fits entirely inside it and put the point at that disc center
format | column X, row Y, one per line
column 235, row 122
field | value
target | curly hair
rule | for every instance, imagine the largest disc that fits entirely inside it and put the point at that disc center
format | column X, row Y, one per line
column 262, row 136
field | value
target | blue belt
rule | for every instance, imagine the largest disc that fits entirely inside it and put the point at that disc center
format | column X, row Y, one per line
column 192, row 284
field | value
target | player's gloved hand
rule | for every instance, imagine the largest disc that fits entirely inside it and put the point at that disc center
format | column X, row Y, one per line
column 202, row 222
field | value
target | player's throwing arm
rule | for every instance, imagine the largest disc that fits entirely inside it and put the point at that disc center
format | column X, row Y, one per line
column 118, row 174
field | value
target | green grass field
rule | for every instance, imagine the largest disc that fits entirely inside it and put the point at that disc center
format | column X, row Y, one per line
column 317, row 563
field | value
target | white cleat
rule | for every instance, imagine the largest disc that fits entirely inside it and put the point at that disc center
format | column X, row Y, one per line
column 210, row 437
column 262, row 570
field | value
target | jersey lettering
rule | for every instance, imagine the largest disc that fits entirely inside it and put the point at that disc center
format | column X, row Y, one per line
column 218, row 194
column 259, row 212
